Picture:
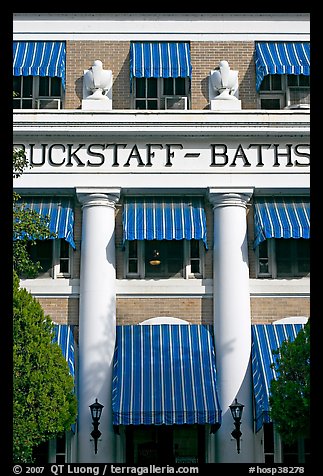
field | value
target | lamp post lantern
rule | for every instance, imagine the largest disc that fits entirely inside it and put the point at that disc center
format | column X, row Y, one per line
column 236, row 411
column 96, row 410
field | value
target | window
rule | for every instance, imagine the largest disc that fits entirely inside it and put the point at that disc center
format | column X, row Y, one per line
column 276, row 451
column 161, row 93
column 279, row 258
column 37, row 92
column 52, row 451
column 54, row 257
column 165, row 444
column 178, row 259
column 278, row 91
column 269, row 449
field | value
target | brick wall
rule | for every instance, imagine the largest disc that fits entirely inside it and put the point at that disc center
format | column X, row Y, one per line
column 114, row 55
column 206, row 56
column 61, row 310
column 80, row 56
column 193, row 310
column 267, row 310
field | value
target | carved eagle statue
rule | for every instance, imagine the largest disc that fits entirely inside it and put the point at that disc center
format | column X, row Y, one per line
column 224, row 81
column 97, row 81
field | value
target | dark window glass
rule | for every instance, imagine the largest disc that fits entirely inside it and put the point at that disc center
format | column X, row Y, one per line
column 283, row 256
column 270, row 103
column 27, row 104
column 290, row 453
column 265, row 84
column 27, row 86
column 60, row 444
column 292, row 257
column 303, row 255
column 152, row 104
column 140, row 87
column 55, row 86
column 152, row 87
column 292, row 80
column 263, row 257
column 165, row 444
column 44, row 82
column 195, row 256
column 141, row 104
column 17, row 86
column 304, row 80
column 276, row 82
column 42, row 251
column 133, row 256
column 64, row 256
column 195, row 248
column 40, row 453
column 180, row 86
column 168, row 86
column 171, row 258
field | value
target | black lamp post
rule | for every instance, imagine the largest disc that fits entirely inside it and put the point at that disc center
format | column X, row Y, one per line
column 236, row 411
column 96, row 410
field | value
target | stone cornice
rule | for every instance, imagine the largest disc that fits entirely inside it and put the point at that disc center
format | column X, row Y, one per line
column 147, row 123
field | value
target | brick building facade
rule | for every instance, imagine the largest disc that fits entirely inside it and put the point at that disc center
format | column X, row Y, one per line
column 231, row 155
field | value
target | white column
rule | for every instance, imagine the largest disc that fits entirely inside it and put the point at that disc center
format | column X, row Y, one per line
column 232, row 320
column 97, row 321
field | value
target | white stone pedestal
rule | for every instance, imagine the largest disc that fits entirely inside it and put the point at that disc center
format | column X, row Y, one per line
column 225, row 104
column 97, row 104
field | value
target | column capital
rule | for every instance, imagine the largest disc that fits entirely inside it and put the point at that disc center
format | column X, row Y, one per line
column 222, row 197
column 104, row 196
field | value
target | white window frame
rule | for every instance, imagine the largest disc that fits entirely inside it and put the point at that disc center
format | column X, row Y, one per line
column 57, row 259
column 160, row 93
column 52, row 449
column 283, row 94
column 55, row 272
column 35, row 93
column 279, row 448
column 187, row 272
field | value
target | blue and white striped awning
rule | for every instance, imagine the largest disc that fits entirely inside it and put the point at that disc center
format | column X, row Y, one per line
column 281, row 58
column 60, row 213
column 281, row 218
column 164, row 219
column 160, row 60
column 65, row 339
column 39, row 58
column 265, row 339
column 165, row 374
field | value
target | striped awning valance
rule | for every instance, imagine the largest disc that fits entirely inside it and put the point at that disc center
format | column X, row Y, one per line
column 281, row 218
column 160, row 60
column 281, row 58
column 39, row 58
column 60, row 212
column 63, row 335
column 165, row 374
column 164, row 219
column 265, row 339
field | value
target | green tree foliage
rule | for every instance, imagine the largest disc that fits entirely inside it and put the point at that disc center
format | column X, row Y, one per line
column 28, row 226
column 290, row 393
column 44, row 404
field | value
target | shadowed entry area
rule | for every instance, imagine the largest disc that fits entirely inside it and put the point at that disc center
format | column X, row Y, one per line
column 165, row 444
